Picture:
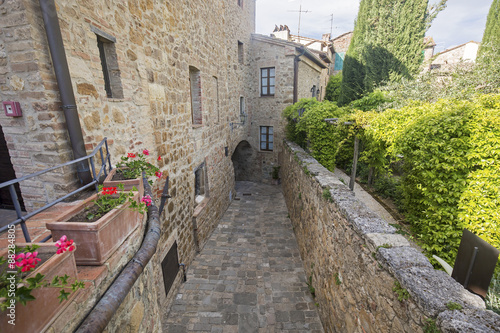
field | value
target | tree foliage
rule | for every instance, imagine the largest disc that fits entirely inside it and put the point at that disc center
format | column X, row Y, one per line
column 387, row 44
column 333, row 87
column 490, row 45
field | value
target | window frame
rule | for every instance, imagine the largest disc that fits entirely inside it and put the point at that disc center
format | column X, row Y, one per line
column 268, row 83
column 269, row 138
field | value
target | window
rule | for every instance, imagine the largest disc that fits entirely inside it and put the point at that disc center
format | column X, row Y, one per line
column 109, row 63
column 267, row 76
column 339, row 61
column 195, row 89
column 240, row 52
column 216, row 87
column 266, row 138
column 240, row 3
column 242, row 107
column 200, row 183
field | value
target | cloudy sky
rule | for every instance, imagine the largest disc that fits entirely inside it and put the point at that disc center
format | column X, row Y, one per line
column 460, row 22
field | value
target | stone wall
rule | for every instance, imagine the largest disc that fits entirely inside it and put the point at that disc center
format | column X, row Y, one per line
column 38, row 139
column 354, row 260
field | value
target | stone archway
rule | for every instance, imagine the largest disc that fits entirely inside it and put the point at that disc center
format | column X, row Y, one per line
column 244, row 162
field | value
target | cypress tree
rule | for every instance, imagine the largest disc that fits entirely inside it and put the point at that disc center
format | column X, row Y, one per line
column 490, row 45
column 387, row 45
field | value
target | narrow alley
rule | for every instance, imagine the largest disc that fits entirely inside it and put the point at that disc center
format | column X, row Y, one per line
column 249, row 276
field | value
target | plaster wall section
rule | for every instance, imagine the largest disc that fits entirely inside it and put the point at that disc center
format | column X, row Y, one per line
column 366, row 277
column 309, row 76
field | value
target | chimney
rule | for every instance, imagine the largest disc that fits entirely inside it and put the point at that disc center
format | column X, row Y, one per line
column 326, row 37
column 281, row 32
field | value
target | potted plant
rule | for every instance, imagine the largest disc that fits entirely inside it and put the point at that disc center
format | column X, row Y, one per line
column 35, row 284
column 101, row 223
column 129, row 172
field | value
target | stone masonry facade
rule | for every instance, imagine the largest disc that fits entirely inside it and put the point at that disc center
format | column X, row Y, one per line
column 358, row 264
column 160, row 54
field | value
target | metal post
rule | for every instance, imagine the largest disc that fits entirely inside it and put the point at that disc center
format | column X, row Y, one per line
column 107, row 153
column 94, row 174
column 164, row 196
column 103, row 162
column 17, row 206
column 471, row 265
column 354, row 163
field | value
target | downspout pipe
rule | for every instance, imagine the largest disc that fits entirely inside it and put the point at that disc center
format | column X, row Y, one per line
column 296, row 61
column 63, row 77
column 101, row 314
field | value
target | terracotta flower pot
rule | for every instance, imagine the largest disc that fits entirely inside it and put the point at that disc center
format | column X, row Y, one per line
column 97, row 240
column 37, row 315
column 128, row 184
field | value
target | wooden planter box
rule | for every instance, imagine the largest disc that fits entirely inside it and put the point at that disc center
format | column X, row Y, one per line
column 128, row 184
column 38, row 315
column 97, row 240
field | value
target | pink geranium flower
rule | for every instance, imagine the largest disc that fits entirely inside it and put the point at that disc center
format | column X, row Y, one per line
column 147, row 200
column 27, row 260
column 64, row 245
column 145, row 152
column 158, row 174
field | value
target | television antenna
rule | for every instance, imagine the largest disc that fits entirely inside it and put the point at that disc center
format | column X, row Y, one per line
column 300, row 11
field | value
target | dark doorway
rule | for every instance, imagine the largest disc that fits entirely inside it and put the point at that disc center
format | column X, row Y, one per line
column 244, row 162
column 7, row 173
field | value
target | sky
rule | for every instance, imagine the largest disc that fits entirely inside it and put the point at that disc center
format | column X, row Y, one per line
column 461, row 21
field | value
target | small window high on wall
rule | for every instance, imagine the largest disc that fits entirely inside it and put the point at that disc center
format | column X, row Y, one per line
column 240, row 3
column 109, row 63
column 200, row 183
column 240, row 52
column 195, row 89
column 267, row 76
column 266, row 138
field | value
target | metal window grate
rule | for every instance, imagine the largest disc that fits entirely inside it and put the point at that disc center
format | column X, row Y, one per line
column 170, row 268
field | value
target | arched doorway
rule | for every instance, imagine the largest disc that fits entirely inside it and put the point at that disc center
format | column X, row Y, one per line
column 244, row 162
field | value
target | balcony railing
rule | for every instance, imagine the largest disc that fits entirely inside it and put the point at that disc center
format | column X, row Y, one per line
column 95, row 176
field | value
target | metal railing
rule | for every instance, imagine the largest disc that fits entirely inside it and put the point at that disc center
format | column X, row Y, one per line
column 11, row 184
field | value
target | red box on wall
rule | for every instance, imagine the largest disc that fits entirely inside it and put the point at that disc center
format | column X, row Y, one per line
column 12, row 109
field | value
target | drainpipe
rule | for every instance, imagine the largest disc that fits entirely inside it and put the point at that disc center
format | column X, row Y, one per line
column 101, row 314
column 63, row 77
column 296, row 74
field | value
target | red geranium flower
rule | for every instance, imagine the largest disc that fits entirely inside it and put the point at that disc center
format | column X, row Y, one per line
column 131, row 155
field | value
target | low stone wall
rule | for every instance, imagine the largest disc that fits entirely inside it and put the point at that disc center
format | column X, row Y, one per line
column 357, row 264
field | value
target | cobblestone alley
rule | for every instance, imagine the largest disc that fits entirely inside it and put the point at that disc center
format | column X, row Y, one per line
column 249, row 276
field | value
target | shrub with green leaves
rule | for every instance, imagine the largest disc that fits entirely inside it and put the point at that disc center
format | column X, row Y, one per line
column 451, row 157
column 332, row 92
column 292, row 116
column 325, row 140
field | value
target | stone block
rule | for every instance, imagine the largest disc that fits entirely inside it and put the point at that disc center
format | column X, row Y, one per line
column 395, row 240
column 468, row 321
column 432, row 290
column 401, row 258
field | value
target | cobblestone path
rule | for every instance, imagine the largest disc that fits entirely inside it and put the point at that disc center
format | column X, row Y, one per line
column 249, row 276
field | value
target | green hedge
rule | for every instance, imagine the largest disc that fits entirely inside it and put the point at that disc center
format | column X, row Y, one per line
column 451, row 162
column 450, row 156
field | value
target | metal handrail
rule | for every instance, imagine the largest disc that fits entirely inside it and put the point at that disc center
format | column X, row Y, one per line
column 22, row 219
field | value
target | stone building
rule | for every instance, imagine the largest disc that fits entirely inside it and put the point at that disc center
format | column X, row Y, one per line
column 190, row 82
column 340, row 46
column 464, row 53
